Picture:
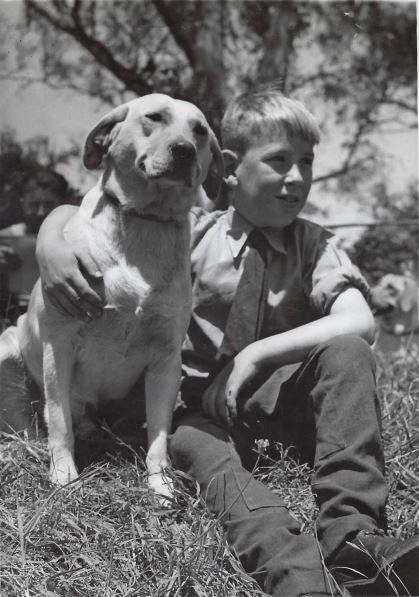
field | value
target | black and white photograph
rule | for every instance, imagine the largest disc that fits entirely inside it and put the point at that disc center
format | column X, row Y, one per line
column 209, row 330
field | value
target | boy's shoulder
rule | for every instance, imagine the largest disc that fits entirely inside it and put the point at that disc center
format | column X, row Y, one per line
column 202, row 221
column 199, row 214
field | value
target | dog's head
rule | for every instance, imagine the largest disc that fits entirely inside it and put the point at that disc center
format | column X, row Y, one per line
column 155, row 147
column 395, row 300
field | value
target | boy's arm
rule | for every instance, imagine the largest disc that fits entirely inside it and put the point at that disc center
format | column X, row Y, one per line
column 349, row 314
column 60, row 267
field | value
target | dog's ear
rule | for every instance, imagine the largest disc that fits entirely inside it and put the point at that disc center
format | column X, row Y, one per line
column 212, row 183
column 97, row 141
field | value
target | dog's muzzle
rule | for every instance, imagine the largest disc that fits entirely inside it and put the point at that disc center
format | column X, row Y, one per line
column 178, row 163
column 183, row 151
column 184, row 161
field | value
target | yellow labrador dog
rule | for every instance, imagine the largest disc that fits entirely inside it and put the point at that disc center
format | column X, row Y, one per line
column 156, row 153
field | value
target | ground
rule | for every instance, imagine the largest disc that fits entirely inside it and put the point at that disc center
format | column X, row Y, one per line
column 108, row 537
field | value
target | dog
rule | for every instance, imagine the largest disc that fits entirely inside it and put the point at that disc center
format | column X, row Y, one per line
column 394, row 302
column 156, row 153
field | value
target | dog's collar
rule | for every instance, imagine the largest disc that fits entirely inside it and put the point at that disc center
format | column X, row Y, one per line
column 130, row 211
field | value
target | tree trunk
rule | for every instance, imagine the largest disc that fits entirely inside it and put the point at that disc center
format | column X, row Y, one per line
column 278, row 44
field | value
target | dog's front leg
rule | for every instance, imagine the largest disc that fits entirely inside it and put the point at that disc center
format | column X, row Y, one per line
column 58, row 365
column 162, row 382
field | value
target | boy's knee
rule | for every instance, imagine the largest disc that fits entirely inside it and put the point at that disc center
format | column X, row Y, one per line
column 181, row 444
column 194, row 438
column 346, row 351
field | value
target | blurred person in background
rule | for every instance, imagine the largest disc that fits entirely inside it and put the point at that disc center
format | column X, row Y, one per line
column 42, row 191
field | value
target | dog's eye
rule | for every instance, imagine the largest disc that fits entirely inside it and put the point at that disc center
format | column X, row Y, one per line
column 200, row 129
column 154, row 116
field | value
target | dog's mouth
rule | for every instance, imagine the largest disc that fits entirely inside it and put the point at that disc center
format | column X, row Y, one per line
column 169, row 172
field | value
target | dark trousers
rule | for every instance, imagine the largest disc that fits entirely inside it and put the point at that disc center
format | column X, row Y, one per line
column 328, row 409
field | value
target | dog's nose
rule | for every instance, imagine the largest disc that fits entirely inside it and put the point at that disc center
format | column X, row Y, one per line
column 183, row 150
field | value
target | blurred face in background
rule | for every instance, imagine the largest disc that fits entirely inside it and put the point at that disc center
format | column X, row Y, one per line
column 40, row 197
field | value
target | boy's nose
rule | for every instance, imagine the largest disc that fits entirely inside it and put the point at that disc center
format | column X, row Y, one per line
column 294, row 174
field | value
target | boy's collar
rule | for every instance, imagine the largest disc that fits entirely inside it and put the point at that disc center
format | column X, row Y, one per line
column 239, row 230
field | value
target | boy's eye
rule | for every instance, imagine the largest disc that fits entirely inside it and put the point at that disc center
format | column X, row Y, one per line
column 280, row 159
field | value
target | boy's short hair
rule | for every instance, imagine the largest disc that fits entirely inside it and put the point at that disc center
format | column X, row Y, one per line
column 263, row 114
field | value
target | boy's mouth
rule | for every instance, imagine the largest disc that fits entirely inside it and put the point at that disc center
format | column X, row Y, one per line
column 290, row 199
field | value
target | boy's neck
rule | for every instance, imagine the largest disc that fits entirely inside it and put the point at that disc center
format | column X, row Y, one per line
column 236, row 215
column 241, row 225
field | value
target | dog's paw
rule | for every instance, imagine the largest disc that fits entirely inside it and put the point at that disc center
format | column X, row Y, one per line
column 162, row 486
column 62, row 472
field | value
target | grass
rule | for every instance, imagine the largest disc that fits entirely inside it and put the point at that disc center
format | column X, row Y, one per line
column 109, row 537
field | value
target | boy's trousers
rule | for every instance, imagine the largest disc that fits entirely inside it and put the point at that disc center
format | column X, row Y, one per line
column 328, row 409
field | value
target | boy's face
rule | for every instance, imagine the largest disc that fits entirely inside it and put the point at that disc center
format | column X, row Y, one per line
column 274, row 179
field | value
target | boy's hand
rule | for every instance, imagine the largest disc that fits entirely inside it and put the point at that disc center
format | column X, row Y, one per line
column 67, row 288
column 220, row 398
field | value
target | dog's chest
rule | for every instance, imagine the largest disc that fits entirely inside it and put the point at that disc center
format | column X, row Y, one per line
column 147, row 296
column 126, row 290
column 112, row 351
column 114, row 333
column 138, row 310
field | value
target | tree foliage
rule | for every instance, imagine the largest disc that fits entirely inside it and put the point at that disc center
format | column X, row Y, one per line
column 354, row 61
column 18, row 163
column 392, row 247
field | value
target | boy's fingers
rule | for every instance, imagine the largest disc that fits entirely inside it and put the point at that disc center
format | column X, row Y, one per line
column 208, row 404
column 74, row 305
column 82, row 288
column 89, row 308
column 81, row 305
column 231, row 402
column 89, row 265
column 219, row 408
column 62, row 304
column 66, row 300
column 85, row 296
column 214, row 406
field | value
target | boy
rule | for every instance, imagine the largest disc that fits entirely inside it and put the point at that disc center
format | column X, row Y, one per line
column 277, row 352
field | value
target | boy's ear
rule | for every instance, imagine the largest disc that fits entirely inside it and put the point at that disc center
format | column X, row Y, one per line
column 231, row 161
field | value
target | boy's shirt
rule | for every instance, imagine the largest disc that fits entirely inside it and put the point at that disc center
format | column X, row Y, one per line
column 307, row 270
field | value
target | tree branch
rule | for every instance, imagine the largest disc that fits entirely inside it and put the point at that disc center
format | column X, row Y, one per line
column 176, row 28
column 132, row 80
column 409, row 107
column 345, row 169
column 28, row 80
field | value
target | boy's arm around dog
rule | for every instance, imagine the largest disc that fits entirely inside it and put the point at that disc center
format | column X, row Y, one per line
column 61, row 268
